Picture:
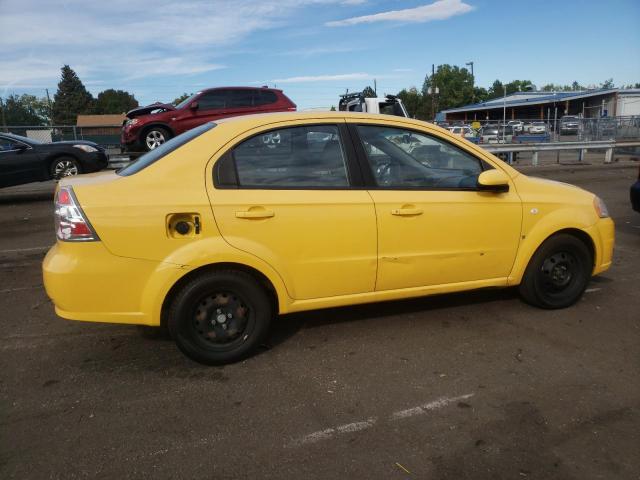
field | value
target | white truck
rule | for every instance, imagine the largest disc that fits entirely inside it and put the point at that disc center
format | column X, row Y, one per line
column 387, row 105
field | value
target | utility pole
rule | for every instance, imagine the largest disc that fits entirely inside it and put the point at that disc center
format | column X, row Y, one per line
column 4, row 119
column 375, row 87
column 50, row 109
column 433, row 91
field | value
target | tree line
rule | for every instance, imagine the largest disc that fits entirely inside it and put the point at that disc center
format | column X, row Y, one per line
column 456, row 88
column 70, row 100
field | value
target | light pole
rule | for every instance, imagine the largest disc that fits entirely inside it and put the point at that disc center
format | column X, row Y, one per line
column 473, row 82
column 504, row 106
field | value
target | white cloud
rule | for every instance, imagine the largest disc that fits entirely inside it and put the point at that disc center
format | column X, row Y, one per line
column 126, row 39
column 439, row 10
column 323, row 78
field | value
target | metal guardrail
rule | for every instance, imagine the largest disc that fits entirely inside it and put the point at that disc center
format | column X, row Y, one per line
column 607, row 145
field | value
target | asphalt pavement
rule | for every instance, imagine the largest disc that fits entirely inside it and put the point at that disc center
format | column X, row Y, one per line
column 467, row 386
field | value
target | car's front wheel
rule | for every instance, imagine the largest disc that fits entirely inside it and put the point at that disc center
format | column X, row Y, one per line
column 154, row 137
column 64, row 167
column 220, row 317
column 558, row 273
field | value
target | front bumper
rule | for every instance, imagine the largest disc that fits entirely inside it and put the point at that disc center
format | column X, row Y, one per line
column 94, row 161
column 603, row 233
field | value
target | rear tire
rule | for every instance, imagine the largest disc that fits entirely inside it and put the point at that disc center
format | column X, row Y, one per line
column 558, row 273
column 220, row 317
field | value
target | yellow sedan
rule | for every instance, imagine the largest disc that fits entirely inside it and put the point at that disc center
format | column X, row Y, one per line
column 220, row 229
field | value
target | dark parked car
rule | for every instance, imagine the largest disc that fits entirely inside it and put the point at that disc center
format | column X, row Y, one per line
column 635, row 194
column 24, row 160
column 148, row 127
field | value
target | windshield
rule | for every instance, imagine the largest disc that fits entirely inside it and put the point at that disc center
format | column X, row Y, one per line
column 20, row 138
column 186, row 101
column 156, row 154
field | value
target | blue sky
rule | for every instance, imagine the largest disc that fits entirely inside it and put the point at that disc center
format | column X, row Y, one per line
column 312, row 49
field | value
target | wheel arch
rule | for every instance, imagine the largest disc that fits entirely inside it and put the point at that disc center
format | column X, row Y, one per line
column 212, row 267
column 146, row 128
column 521, row 263
column 53, row 157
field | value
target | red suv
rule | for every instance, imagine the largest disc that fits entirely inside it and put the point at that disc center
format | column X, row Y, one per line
column 151, row 126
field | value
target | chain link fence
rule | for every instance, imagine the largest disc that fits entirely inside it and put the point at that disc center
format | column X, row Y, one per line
column 106, row 136
column 569, row 128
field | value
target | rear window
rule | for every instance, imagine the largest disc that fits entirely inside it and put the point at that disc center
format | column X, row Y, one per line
column 166, row 148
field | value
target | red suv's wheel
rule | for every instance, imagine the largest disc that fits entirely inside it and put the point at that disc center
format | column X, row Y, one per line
column 154, row 137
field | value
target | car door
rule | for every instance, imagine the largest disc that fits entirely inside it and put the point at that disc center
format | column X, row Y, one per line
column 207, row 107
column 434, row 226
column 19, row 163
column 290, row 196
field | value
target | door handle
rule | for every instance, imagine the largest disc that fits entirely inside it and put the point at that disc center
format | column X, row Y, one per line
column 255, row 214
column 406, row 211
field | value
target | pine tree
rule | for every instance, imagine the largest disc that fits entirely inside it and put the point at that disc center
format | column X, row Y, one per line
column 71, row 99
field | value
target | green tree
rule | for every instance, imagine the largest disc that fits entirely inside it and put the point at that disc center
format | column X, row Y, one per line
column 413, row 102
column 332, row 109
column 181, row 98
column 607, row 84
column 24, row 110
column 455, row 87
column 114, row 101
column 368, row 92
column 71, row 98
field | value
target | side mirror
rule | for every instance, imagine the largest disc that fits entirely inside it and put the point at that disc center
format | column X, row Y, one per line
column 20, row 147
column 193, row 106
column 493, row 181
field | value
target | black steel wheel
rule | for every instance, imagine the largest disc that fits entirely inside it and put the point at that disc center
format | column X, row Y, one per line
column 220, row 317
column 558, row 273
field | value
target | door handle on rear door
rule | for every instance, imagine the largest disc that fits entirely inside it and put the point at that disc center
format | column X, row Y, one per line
column 406, row 211
column 258, row 213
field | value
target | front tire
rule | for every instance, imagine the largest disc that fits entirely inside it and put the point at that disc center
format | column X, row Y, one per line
column 154, row 137
column 64, row 167
column 558, row 273
column 220, row 317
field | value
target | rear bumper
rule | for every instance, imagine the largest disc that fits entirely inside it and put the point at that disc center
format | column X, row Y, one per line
column 86, row 282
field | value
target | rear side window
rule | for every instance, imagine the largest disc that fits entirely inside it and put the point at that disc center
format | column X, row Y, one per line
column 265, row 97
column 241, row 98
column 156, row 154
column 289, row 158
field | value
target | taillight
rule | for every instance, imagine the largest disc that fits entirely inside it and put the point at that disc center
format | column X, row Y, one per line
column 70, row 221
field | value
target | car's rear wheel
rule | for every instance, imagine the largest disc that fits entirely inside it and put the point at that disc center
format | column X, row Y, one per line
column 558, row 273
column 154, row 137
column 65, row 167
column 220, row 317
